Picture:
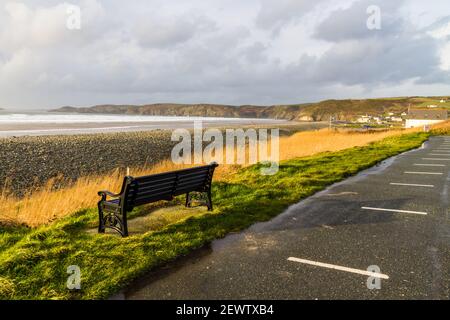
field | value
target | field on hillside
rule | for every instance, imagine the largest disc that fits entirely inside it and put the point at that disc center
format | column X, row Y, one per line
column 425, row 102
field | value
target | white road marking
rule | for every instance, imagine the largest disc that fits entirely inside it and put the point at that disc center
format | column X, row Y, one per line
column 430, row 173
column 412, row 185
column 429, row 165
column 435, row 159
column 394, row 210
column 340, row 268
column 439, row 154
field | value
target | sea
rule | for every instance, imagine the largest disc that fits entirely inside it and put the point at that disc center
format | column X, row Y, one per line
column 20, row 123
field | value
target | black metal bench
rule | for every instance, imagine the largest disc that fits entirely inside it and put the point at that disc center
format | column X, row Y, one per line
column 113, row 208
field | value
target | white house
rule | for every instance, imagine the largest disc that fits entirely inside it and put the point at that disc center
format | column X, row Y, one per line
column 364, row 119
column 377, row 120
column 421, row 117
column 442, row 101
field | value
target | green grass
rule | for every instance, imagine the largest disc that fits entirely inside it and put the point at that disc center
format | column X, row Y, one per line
column 33, row 262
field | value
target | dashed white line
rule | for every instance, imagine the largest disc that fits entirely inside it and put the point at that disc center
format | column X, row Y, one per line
column 439, row 154
column 429, row 165
column 394, row 210
column 412, row 185
column 430, row 173
column 340, row 268
column 435, row 159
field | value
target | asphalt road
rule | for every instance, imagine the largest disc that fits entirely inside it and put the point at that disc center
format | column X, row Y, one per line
column 410, row 248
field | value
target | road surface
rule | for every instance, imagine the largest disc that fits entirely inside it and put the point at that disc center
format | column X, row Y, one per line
column 393, row 217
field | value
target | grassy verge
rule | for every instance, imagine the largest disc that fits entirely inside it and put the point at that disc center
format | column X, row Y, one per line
column 33, row 262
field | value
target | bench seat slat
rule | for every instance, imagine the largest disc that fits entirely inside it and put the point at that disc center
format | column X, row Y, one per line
column 151, row 193
column 191, row 181
column 152, row 185
column 195, row 173
column 190, row 188
column 194, row 184
column 142, row 182
column 168, row 186
column 150, row 200
column 189, row 178
column 182, row 171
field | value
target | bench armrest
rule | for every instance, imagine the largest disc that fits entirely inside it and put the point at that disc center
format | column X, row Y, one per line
column 105, row 193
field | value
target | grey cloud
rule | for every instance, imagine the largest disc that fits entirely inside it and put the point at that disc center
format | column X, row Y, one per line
column 374, row 61
column 157, row 32
column 351, row 23
column 276, row 14
column 359, row 56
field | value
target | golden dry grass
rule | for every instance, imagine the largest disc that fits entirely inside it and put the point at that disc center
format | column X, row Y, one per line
column 308, row 143
column 47, row 205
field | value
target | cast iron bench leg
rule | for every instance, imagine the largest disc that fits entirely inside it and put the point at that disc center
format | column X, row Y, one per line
column 209, row 204
column 188, row 200
column 101, row 226
column 125, row 224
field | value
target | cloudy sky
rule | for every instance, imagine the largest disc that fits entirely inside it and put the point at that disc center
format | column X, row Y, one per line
column 220, row 51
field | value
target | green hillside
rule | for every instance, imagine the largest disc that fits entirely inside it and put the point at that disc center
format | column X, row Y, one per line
column 320, row 111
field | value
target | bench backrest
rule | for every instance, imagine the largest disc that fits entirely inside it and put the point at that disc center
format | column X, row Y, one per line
column 164, row 186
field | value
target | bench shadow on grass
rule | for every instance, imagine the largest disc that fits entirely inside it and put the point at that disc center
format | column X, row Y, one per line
column 156, row 218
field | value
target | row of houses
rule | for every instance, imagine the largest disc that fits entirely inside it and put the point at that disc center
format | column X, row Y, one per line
column 381, row 119
column 413, row 118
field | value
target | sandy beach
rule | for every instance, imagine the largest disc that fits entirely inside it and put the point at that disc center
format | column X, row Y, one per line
column 48, row 128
